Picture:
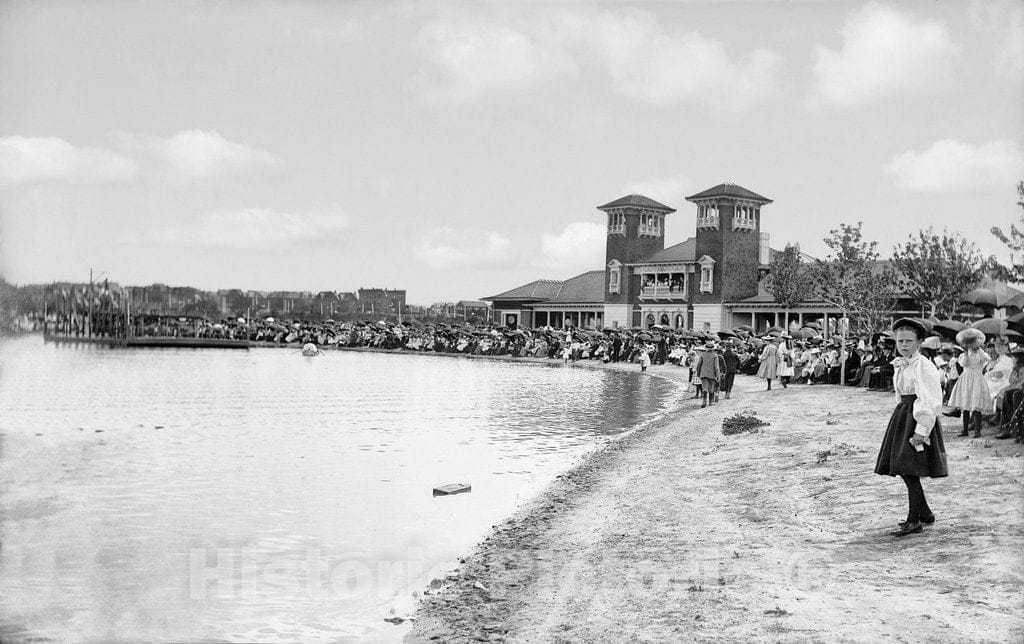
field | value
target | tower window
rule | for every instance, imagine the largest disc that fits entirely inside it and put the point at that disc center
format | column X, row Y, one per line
column 616, row 223
column 614, row 276
column 707, row 274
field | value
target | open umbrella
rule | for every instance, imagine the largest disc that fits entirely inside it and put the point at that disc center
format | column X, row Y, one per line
column 726, row 334
column 981, row 297
column 774, row 329
column 745, row 327
column 948, row 328
column 812, row 325
column 991, row 326
column 1016, row 301
column 804, row 334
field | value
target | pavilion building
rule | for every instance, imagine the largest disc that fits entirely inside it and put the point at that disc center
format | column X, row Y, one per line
column 711, row 281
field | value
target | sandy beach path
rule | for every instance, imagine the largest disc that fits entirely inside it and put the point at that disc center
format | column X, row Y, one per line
column 680, row 533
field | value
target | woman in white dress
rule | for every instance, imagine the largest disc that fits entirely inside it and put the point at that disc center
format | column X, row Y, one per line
column 768, row 370
column 970, row 393
column 786, row 369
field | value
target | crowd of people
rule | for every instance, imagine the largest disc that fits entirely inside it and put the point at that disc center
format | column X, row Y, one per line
column 982, row 382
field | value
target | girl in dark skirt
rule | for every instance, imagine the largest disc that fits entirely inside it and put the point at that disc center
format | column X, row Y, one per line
column 912, row 446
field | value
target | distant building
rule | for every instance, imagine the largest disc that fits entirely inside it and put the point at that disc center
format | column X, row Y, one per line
column 466, row 309
column 708, row 282
column 289, row 302
column 381, row 301
column 443, row 309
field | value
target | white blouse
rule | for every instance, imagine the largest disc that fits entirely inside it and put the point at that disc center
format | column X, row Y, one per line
column 918, row 376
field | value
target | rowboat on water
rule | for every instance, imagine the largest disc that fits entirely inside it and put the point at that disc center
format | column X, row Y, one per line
column 309, row 349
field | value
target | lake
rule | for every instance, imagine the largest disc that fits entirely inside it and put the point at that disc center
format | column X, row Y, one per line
column 211, row 494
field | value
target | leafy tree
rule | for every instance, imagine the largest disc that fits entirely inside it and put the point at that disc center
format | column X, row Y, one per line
column 1014, row 240
column 852, row 278
column 789, row 279
column 937, row 269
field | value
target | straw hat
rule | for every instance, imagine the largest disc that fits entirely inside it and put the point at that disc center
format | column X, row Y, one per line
column 932, row 342
column 969, row 338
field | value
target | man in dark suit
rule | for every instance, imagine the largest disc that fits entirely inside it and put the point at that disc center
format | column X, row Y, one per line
column 616, row 348
column 732, row 365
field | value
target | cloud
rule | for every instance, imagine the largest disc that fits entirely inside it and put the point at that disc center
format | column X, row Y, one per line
column 951, row 166
column 579, row 247
column 472, row 55
column 670, row 191
column 651, row 65
column 1003, row 23
column 252, row 229
column 885, row 52
column 473, row 58
column 448, row 248
column 27, row 159
column 199, row 153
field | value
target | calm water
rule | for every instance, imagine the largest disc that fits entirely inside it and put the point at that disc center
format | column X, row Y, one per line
column 262, row 496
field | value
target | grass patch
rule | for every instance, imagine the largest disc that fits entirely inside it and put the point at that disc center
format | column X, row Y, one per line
column 739, row 423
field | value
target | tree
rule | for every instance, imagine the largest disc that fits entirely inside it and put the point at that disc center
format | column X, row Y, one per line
column 789, row 280
column 852, row 278
column 1014, row 240
column 937, row 269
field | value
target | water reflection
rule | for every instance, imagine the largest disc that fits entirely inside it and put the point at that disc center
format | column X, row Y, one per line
column 262, row 496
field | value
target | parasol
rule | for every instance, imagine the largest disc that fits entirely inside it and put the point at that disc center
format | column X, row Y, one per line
column 726, row 334
column 991, row 326
column 948, row 328
column 981, row 297
column 1016, row 301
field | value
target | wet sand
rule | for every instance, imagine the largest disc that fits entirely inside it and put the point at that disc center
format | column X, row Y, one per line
column 677, row 532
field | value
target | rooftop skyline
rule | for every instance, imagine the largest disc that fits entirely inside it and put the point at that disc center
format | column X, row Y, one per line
column 457, row 150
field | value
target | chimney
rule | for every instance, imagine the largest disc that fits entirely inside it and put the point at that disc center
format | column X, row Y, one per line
column 764, row 255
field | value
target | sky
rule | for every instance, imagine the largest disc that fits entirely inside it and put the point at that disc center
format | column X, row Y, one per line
column 458, row 150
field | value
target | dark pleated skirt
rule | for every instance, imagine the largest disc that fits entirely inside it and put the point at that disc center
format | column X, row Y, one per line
column 898, row 456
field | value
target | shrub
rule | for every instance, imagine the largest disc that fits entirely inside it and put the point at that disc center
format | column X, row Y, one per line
column 739, row 423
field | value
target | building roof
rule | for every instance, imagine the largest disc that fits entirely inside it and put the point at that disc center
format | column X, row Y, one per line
column 729, row 190
column 636, row 201
column 584, row 288
column 682, row 252
column 537, row 291
column 471, row 303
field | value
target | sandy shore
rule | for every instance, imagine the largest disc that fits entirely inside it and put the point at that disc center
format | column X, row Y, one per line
column 679, row 533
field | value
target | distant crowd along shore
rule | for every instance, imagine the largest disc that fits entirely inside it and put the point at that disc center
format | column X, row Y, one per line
column 801, row 356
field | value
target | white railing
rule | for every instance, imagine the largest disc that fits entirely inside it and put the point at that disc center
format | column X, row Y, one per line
column 707, row 221
column 617, row 228
column 743, row 222
column 662, row 293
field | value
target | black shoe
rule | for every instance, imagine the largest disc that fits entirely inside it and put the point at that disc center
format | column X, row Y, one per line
column 925, row 518
column 912, row 527
column 1004, row 434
